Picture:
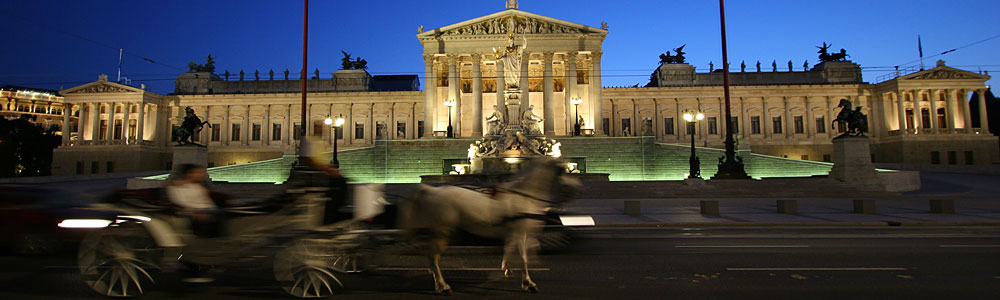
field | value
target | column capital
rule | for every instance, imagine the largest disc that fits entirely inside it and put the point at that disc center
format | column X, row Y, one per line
column 572, row 53
column 547, row 55
column 429, row 58
column 476, row 56
column 452, row 56
column 596, row 54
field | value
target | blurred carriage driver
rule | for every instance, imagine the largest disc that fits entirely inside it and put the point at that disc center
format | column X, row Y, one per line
column 189, row 190
column 314, row 154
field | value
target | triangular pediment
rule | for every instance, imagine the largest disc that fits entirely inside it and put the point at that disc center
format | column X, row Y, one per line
column 100, row 87
column 499, row 23
column 944, row 72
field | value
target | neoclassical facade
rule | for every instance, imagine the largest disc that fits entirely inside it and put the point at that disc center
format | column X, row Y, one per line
column 918, row 118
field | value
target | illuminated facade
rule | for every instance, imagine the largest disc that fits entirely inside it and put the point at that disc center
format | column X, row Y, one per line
column 918, row 118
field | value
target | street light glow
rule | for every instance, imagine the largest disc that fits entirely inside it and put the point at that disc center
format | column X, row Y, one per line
column 575, row 101
column 449, row 103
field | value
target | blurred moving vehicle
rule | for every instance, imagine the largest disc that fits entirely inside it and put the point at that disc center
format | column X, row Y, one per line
column 42, row 220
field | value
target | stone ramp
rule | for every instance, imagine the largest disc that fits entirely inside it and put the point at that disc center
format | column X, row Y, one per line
column 624, row 158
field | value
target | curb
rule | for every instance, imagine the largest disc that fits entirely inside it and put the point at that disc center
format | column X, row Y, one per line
column 807, row 224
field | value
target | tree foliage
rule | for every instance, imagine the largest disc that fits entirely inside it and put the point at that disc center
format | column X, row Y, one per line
column 26, row 148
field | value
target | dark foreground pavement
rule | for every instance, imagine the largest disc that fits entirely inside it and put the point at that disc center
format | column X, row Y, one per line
column 634, row 263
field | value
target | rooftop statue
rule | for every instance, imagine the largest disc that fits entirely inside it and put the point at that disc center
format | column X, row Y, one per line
column 348, row 64
column 189, row 128
column 666, row 58
column 209, row 65
column 825, row 56
column 856, row 121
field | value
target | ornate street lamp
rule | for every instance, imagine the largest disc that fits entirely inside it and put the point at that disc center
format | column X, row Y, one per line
column 693, row 117
column 450, row 104
column 576, row 117
column 732, row 166
column 335, row 124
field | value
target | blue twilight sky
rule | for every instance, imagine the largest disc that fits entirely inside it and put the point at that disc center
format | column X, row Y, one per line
column 52, row 44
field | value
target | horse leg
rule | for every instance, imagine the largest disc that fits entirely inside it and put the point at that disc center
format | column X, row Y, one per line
column 436, row 248
column 510, row 246
column 526, row 284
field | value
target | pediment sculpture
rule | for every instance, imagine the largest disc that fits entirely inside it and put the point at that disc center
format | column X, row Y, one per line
column 521, row 25
column 944, row 74
column 103, row 88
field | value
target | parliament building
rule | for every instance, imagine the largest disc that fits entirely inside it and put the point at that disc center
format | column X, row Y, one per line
column 915, row 119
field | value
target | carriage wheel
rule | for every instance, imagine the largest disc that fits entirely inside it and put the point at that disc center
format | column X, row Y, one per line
column 304, row 268
column 117, row 261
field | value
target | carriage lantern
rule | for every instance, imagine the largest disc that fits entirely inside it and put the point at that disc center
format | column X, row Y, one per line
column 693, row 117
column 335, row 124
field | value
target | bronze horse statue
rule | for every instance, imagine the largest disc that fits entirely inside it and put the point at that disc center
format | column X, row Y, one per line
column 856, row 121
column 189, row 128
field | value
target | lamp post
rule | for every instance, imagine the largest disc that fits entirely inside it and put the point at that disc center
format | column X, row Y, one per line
column 732, row 166
column 335, row 124
column 693, row 117
column 576, row 116
column 450, row 104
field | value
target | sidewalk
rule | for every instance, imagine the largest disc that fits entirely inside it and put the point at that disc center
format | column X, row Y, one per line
column 976, row 198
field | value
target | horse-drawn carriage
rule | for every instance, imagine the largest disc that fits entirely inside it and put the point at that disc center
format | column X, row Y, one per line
column 315, row 242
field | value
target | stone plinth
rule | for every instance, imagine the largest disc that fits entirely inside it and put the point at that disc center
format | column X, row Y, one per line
column 189, row 154
column 852, row 160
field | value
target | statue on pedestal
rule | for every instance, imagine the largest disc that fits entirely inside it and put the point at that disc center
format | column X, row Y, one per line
column 189, row 128
column 856, row 121
column 494, row 123
column 511, row 56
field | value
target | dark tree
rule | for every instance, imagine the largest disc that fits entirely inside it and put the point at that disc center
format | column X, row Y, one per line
column 26, row 148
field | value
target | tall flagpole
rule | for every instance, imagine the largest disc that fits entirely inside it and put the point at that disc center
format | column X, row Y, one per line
column 305, row 52
column 731, row 167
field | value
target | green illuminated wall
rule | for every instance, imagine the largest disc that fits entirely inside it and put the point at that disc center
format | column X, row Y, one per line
column 624, row 158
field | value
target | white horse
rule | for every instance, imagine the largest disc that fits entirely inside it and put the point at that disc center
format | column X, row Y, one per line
column 512, row 214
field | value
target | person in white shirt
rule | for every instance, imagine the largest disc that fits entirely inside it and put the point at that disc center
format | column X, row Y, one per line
column 189, row 191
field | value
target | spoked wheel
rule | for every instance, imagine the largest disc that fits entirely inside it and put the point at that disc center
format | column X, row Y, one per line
column 117, row 261
column 305, row 268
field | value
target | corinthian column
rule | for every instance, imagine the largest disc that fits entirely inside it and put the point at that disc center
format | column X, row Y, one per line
column 477, row 95
column 569, row 90
column 549, row 110
column 901, row 112
column 430, row 94
column 455, row 92
column 68, row 110
column 141, row 124
column 933, row 110
column 984, row 122
column 596, row 102
column 963, row 105
column 525, row 83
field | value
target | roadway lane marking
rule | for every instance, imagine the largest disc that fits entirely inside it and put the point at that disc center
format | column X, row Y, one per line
column 969, row 246
column 457, row 269
column 817, row 269
column 743, row 246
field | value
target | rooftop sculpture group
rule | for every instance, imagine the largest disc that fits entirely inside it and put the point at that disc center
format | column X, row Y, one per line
column 666, row 58
column 348, row 64
column 209, row 65
column 825, row 56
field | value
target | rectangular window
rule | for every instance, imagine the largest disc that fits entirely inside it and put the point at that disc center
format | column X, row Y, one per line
column 606, row 125
column 690, row 127
column 110, row 167
column 338, row 132
column 952, row 158
column 713, row 126
column 104, row 130
column 776, row 124
column 94, row 167
column 968, row 158
column 359, row 131
column 380, row 130
column 297, row 131
column 668, row 126
column 275, row 132
column 400, row 130
column 805, row 157
column 799, row 126
column 235, row 133
column 420, row 128
column 317, row 128
column 821, row 125
column 255, row 134
column 736, row 124
column 935, row 158
column 626, row 127
column 909, row 119
column 826, row 158
column 79, row 167
column 755, row 125
column 942, row 120
column 131, row 129
column 925, row 118
column 216, row 132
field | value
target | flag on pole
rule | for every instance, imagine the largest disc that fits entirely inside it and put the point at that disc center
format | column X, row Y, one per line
column 920, row 48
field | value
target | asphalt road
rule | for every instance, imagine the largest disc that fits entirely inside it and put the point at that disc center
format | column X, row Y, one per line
column 633, row 263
